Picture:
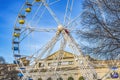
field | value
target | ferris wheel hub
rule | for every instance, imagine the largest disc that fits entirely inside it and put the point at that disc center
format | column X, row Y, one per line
column 60, row 28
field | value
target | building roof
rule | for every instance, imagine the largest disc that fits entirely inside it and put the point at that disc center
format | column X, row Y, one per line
column 60, row 54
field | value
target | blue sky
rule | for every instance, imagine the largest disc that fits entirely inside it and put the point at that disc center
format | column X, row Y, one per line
column 9, row 11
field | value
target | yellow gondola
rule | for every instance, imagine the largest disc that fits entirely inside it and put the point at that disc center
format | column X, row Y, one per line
column 17, row 34
column 28, row 10
column 21, row 21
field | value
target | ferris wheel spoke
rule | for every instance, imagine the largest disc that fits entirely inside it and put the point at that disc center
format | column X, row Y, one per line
column 106, row 75
column 71, row 40
column 52, row 13
column 50, row 50
column 76, row 21
column 40, row 16
column 59, row 57
column 76, row 58
column 50, row 44
column 36, row 13
column 46, row 48
column 54, row 2
column 37, row 29
column 86, row 68
column 63, row 44
column 26, row 35
column 68, row 11
column 83, row 68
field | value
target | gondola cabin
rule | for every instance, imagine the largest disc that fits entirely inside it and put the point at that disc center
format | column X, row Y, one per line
column 37, row 0
column 16, row 34
column 21, row 21
column 20, row 75
column 114, row 74
column 28, row 10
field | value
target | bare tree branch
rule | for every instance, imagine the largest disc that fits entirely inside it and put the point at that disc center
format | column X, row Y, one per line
column 104, row 30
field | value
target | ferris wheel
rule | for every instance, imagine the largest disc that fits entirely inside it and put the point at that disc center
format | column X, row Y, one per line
column 38, row 18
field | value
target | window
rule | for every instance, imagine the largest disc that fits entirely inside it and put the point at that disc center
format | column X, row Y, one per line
column 70, row 62
column 42, row 65
column 81, row 78
column 70, row 78
column 49, row 78
column 39, row 78
column 49, row 64
column 39, row 64
column 59, row 63
column 94, row 76
column 59, row 78
column 64, row 63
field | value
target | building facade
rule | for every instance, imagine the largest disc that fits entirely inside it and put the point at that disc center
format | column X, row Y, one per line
column 63, row 65
column 8, row 72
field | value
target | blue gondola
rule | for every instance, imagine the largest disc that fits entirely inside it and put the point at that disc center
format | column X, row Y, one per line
column 16, row 48
column 114, row 68
column 22, row 68
column 15, row 42
column 20, row 75
column 114, row 75
column 17, row 55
